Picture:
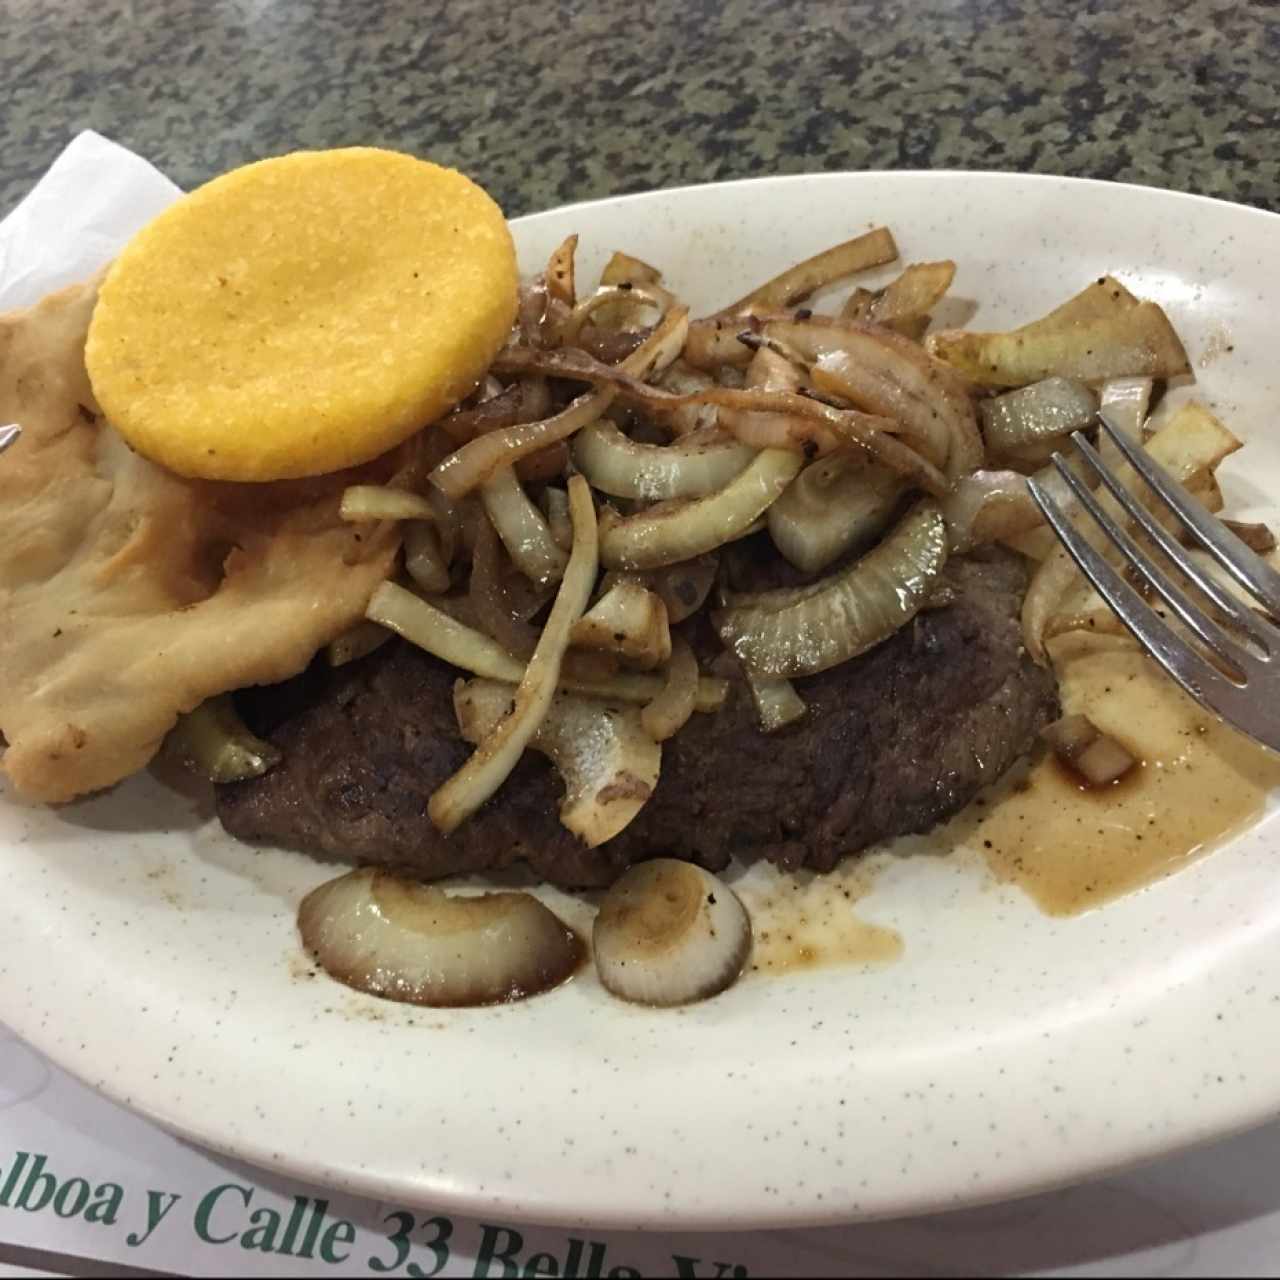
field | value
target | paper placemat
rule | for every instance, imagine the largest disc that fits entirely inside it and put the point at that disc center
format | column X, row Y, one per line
column 82, row 1179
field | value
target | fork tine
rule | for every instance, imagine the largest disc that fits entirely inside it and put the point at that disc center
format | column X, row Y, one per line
column 1174, row 654
column 8, row 435
column 1249, row 570
column 1240, row 614
column 1179, row 602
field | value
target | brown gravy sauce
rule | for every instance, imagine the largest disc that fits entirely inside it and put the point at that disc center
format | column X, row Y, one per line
column 801, row 921
column 1068, row 847
column 1197, row 781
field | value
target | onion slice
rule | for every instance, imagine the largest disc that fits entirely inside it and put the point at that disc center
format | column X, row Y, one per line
column 217, row 744
column 448, row 522
column 608, row 763
column 715, row 342
column 622, row 268
column 801, row 631
column 666, row 535
column 683, row 379
column 697, row 464
column 1103, row 332
column 628, row 620
column 523, row 401
column 847, row 426
column 1045, row 410
column 670, row 710
column 477, row 460
column 419, row 945
column 990, row 505
column 886, row 374
column 669, row 933
column 1127, row 402
column 835, row 505
column 362, row 502
column 444, row 637
column 555, row 504
column 770, row 371
column 1050, row 582
column 904, row 304
column 424, row 559
column 625, row 271
column 539, row 315
column 487, row 768
column 1083, row 747
column 621, row 303
column 777, row 702
column 560, row 272
column 994, row 506
column 873, row 249
column 522, row 528
column 440, row 634
column 548, row 464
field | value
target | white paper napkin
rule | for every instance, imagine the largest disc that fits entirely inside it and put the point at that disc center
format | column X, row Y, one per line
column 93, row 197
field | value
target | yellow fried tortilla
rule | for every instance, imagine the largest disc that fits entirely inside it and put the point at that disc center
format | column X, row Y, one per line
column 302, row 314
column 129, row 595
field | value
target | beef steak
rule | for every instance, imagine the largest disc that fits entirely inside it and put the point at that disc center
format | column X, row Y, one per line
column 893, row 742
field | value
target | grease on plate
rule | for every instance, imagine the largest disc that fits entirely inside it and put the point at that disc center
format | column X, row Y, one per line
column 1217, row 344
column 801, row 921
column 1197, row 782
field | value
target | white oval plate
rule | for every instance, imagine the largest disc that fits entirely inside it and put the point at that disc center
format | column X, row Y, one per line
column 1005, row 1052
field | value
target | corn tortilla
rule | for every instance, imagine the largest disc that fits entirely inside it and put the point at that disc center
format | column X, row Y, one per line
column 302, row 314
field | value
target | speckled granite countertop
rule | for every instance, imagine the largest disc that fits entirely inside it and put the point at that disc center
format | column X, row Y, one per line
column 573, row 99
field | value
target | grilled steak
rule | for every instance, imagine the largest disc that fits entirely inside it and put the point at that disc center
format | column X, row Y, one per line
column 893, row 742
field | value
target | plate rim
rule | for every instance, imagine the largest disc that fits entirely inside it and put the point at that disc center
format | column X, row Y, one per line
column 1141, row 189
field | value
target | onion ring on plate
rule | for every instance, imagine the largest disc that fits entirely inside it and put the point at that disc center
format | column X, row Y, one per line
column 670, row 533
column 805, row 630
column 669, row 711
column 696, row 464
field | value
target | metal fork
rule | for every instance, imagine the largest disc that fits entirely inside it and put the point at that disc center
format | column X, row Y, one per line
column 8, row 435
column 1243, row 687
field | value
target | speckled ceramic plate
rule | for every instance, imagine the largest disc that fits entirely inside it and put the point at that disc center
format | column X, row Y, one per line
column 1003, row 1052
